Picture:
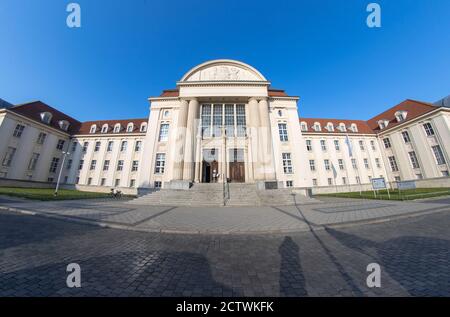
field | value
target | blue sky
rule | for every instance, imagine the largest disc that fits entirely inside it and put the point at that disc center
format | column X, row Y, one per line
column 320, row 50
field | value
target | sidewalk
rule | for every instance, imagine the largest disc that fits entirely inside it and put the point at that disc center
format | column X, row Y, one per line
column 228, row 220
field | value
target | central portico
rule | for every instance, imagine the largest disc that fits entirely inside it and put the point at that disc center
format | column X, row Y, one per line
column 217, row 126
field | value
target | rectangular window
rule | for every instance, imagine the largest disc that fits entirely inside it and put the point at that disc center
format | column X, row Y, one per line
column 387, row 143
column 123, row 146
column 33, row 161
column 217, row 120
column 445, row 173
column 287, row 163
column 438, row 155
column 308, row 145
column 103, row 182
column 9, row 155
column 109, row 148
column 337, row 145
column 428, row 129
column 414, row 160
column 135, row 166
column 137, row 146
column 289, row 184
column 366, row 163
column 312, row 165
column 18, row 130
column 164, row 132
column 89, row 182
column 377, row 162
column 60, row 144
column 282, row 130
column 393, row 164
column 97, row 146
column 323, row 145
column 50, row 179
column 69, row 164
column 358, row 180
column 361, row 145
column 120, row 165
column 344, row 181
column 405, row 136
column 372, row 144
column 80, row 166
column 74, row 146
column 330, row 181
column 241, row 123
column 327, row 164
column 206, row 120
column 158, row 184
column 106, row 165
column 314, row 181
column 66, row 178
column 117, row 182
column 85, row 146
column 54, row 165
column 93, row 164
column 229, row 120
column 132, row 183
column 354, row 165
column 160, row 163
column 341, row 164
column 41, row 138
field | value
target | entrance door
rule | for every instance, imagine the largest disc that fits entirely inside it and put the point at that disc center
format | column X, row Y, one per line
column 206, row 172
column 237, row 172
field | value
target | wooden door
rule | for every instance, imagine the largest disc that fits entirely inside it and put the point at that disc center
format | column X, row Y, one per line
column 237, row 172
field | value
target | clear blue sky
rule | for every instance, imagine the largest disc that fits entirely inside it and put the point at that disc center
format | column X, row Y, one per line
column 320, row 50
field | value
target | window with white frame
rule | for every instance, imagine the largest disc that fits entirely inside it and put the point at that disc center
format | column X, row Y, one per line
column 109, row 148
column 74, row 146
column 119, row 165
column 93, row 164
column 18, row 130
column 104, row 128
column 312, row 165
column 97, row 146
column 163, row 132
column 160, row 163
column 317, row 127
column 354, row 127
column 341, row 164
column 354, row 165
column 80, row 165
column 438, row 154
column 132, row 183
column 282, row 130
column 393, row 163
column 85, row 146
column 361, row 145
column 143, row 127
column 229, row 120
column 366, row 163
column 60, row 144
column 217, row 120
column 54, row 165
column 130, row 127
column 323, row 145
column 387, row 143
column 41, row 138
column 287, row 163
column 428, row 129
column 330, row 127
column 134, row 166
column 377, row 162
column 327, row 164
column 117, row 128
column 9, row 155
column 372, row 144
column 46, row 117
column 137, row 146
column 206, row 120
column 123, row 146
column 405, row 136
column 103, row 182
column 33, row 161
column 330, row 181
column 117, row 182
column 69, row 164
column 413, row 159
column 241, row 121
column 106, row 165
column 289, row 184
column 304, row 126
column 157, row 184
column 314, row 181
column 93, row 129
column 337, row 146
column 308, row 145
column 344, row 181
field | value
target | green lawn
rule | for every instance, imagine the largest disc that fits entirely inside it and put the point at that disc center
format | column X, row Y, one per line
column 48, row 193
column 408, row 194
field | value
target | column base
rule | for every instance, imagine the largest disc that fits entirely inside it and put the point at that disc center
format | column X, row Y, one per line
column 271, row 184
column 179, row 184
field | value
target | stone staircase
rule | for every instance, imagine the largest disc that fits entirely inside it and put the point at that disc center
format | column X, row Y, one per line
column 212, row 194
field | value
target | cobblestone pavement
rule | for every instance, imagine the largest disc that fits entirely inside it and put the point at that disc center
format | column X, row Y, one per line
column 414, row 255
column 274, row 219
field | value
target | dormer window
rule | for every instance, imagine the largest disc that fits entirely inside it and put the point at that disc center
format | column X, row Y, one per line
column 354, row 127
column 105, row 128
column 400, row 115
column 304, row 126
column 342, row 127
column 64, row 125
column 330, row 127
column 383, row 124
column 130, row 127
column 117, row 128
column 143, row 127
column 317, row 127
column 46, row 117
column 93, row 128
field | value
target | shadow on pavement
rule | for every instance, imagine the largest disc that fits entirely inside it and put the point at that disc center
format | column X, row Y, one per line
column 292, row 280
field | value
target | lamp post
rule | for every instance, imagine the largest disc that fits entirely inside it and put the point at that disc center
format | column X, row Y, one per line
column 60, row 172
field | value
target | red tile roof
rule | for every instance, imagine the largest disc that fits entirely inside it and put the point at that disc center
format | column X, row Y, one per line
column 413, row 108
column 86, row 126
column 362, row 126
column 33, row 110
column 170, row 93
column 277, row 93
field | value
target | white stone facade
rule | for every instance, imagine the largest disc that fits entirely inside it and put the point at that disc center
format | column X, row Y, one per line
column 183, row 142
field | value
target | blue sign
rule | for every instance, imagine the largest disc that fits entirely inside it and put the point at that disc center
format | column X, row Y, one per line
column 406, row 185
column 378, row 183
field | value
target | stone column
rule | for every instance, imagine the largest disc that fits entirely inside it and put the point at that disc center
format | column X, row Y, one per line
column 180, row 140
column 189, row 147
column 198, row 155
column 254, row 127
column 266, row 151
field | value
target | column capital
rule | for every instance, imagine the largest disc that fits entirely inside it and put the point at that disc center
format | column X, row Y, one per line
column 258, row 98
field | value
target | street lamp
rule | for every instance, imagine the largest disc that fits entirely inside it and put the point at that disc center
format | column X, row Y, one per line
column 60, row 171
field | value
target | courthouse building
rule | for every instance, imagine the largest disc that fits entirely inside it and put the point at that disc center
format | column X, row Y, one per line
column 223, row 122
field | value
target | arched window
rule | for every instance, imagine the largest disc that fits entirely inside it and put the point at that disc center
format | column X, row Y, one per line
column 93, row 128
column 105, row 128
column 342, row 127
column 317, row 127
column 130, row 127
column 400, row 115
column 46, row 117
column 304, row 126
column 383, row 124
column 143, row 127
column 117, row 128
column 64, row 124
column 330, row 127
column 354, row 127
